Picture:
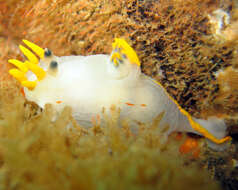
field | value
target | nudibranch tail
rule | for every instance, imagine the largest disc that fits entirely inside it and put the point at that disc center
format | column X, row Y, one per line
column 195, row 125
column 199, row 128
column 29, row 65
column 120, row 48
column 35, row 48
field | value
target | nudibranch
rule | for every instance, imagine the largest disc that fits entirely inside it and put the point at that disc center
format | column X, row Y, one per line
column 90, row 83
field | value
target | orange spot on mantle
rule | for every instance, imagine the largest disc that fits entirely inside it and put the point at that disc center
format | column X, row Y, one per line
column 22, row 92
column 129, row 104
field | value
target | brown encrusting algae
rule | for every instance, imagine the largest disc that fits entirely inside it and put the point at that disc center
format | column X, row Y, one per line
column 190, row 47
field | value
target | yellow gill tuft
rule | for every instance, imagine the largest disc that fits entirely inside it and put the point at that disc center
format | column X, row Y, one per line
column 115, row 57
column 127, row 50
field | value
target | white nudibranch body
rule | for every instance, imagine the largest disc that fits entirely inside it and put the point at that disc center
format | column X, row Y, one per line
column 90, row 83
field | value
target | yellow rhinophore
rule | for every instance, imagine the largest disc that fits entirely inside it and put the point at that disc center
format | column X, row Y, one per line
column 20, row 65
column 19, row 75
column 29, row 65
column 35, row 48
column 29, row 84
column 30, row 56
column 37, row 70
column 126, row 49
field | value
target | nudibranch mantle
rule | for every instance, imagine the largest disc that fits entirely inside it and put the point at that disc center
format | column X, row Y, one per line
column 90, row 83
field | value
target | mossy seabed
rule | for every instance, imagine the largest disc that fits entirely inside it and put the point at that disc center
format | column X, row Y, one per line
column 176, row 45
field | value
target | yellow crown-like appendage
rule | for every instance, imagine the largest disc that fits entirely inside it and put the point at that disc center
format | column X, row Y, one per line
column 35, row 48
column 31, row 64
column 122, row 50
